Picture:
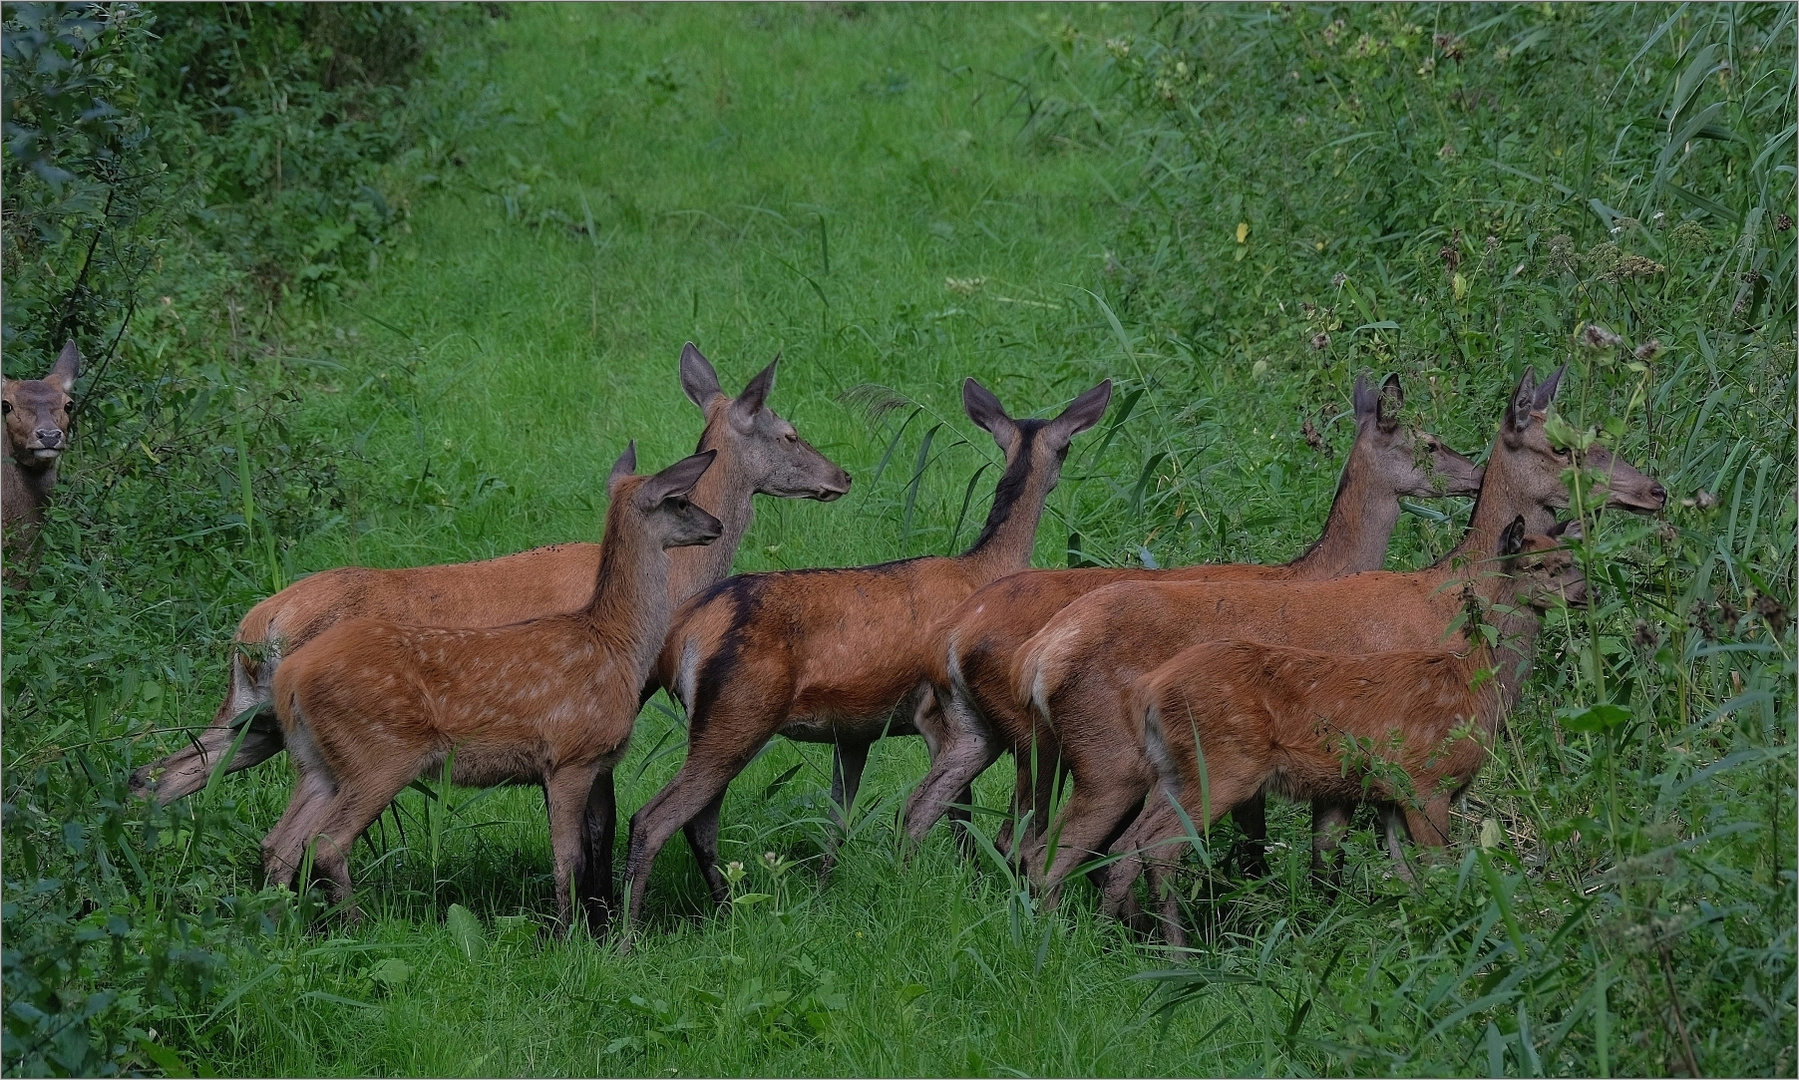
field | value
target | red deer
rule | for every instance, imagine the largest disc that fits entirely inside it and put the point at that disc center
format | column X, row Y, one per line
column 370, row 704
column 1077, row 671
column 837, row 656
column 1410, row 727
column 37, row 432
column 758, row 451
column 980, row 640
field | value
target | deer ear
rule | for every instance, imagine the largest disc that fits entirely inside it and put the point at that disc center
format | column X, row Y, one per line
column 755, row 395
column 1546, row 392
column 1517, row 414
column 1567, row 530
column 698, row 379
column 1511, row 541
column 1365, row 401
column 624, row 467
column 1083, row 412
column 678, row 479
column 986, row 411
column 1388, row 404
column 67, row 368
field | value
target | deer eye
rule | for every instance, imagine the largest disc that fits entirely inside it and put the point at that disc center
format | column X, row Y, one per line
column 5, row 406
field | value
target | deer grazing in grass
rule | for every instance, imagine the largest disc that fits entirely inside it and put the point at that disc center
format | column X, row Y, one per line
column 370, row 704
column 758, row 452
column 971, row 674
column 37, row 433
column 1223, row 719
column 837, row 656
column 1077, row 671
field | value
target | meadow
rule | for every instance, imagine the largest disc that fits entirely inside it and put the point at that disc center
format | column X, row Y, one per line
column 1229, row 211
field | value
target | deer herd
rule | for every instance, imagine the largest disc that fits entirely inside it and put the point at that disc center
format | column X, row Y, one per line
column 1167, row 698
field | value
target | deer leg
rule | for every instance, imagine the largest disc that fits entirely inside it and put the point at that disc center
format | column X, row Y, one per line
column 1040, row 769
column 1428, row 827
column 282, row 848
column 716, row 753
column 1135, row 846
column 567, row 791
column 966, row 749
column 1050, row 775
column 1251, row 816
column 702, row 837
column 1096, row 814
column 1011, row 831
column 352, row 810
column 1393, row 824
column 848, row 759
column 1330, row 824
column 601, row 830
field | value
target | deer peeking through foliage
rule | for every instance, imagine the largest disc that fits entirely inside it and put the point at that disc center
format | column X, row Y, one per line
column 37, row 433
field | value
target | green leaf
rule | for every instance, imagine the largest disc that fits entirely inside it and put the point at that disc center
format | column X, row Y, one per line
column 466, row 930
column 167, row 1060
column 1594, row 717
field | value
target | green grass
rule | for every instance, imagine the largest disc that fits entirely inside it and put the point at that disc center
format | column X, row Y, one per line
column 614, row 181
column 529, row 352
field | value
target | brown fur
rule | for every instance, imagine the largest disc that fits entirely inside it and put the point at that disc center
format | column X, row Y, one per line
column 838, row 656
column 758, row 452
column 370, row 705
column 1283, row 717
column 1078, row 669
column 37, row 433
column 978, row 643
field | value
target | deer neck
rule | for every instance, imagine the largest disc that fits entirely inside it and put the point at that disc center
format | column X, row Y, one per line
column 725, row 491
column 631, row 606
column 1512, row 655
column 27, row 488
column 1500, row 501
column 1005, row 543
column 1357, row 530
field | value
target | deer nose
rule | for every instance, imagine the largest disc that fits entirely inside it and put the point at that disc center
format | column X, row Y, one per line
column 1658, row 492
column 49, row 436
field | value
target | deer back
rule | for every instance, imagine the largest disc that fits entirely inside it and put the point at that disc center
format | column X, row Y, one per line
column 851, row 643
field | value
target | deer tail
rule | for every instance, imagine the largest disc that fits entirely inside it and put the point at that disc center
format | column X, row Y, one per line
column 1043, row 666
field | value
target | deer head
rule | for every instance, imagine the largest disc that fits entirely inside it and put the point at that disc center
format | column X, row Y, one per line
column 37, row 412
column 1545, row 570
column 662, row 501
column 1050, row 438
column 1538, row 466
column 762, row 445
column 1407, row 461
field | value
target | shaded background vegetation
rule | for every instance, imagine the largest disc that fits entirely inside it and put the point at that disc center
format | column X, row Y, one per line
column 287, row 235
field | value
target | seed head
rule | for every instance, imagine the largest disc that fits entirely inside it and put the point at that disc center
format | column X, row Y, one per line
column 1773, row 613
column 1321, row 341
column 1598, row 337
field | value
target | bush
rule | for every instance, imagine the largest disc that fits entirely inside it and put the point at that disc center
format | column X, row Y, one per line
column 1458, row 194
column 171, row 176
